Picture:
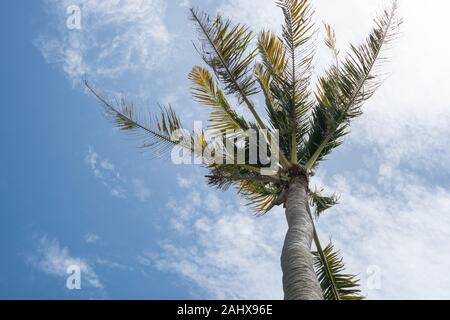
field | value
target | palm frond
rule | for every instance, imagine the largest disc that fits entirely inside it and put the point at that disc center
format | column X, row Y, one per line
column 344, row 88
column 260, row 191
column 298, row 27
column 265, row 79
column 261, row 196
column 205, row 91
column 270, row 75
column 330, row 39
column 331, row 42
column 225, row 48
column 321, row 202
column 335, row 283
column 158, row 133
column 224, row 176
column 273, row 54
column 278, row 119
column 298, row 31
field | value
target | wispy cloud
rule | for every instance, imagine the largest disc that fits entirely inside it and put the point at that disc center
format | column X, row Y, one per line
column 184, row 182
column 231, row 255
column 258, row 15
column 140, row 190
column 402, row 233
column 106, row 172
column 92, row 238
column 53, row 259
column 116, row 37
column 185, row 3
column 112, row 264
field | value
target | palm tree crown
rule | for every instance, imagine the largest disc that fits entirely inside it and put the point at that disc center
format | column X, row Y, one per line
column 310, row 121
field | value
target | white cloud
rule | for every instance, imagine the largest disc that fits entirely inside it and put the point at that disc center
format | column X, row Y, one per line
column 105, row 164
column 213, row 202
column 140, row 190
column 259, row 15
column 184, row 182
column 231, row 255
column 185, row 3
column 91, row 160
column 407, row 123
column 53, row 259
column 92, row 238
column 112, row 264
column 106, row 172
column 403, row 233
column 184, row 211
column 116, row 37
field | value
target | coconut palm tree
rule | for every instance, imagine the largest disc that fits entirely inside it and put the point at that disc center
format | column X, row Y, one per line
column 307, row 117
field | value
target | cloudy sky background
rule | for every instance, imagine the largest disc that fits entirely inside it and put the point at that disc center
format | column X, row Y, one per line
column 75, row 191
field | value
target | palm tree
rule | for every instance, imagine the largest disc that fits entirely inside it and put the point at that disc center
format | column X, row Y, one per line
column 311, row 121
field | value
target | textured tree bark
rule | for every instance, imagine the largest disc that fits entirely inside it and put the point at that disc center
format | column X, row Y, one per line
column 299, row 278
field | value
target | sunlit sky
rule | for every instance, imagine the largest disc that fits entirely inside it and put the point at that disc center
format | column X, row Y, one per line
column 74, row 190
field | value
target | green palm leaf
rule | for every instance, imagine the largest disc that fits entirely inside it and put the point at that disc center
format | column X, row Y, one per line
column 298, row 31
column 335, row 283
column 321, row 202
column 273, row 54
column 225, row 48
column 159, row 133
column 260, row 191
column 261, row 196
column 346, row 86
column 270, row 76
column 205, row 91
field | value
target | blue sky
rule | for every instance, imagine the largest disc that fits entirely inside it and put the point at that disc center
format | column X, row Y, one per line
column 74, row 190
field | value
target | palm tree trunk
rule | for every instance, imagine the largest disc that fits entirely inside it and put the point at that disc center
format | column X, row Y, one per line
column 299, row 278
